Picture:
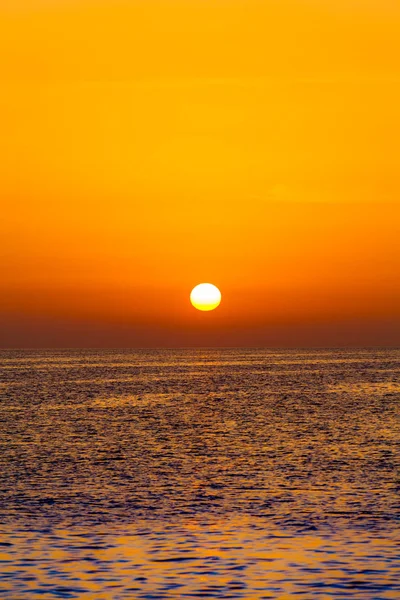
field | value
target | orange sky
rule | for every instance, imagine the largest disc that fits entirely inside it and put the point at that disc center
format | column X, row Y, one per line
column 149, row 145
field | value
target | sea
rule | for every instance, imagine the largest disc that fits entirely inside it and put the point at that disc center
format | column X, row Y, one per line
column 200, row 473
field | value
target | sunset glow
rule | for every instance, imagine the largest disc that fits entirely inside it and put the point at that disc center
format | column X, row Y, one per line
column 200, row 298
column 147, row 145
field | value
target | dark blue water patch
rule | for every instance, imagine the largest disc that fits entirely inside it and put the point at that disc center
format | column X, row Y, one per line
column 57, row 592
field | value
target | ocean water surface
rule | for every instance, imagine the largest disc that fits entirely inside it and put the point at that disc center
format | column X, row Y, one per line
column 224, row 473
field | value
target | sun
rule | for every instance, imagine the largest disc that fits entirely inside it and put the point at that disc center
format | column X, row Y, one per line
column 205, row 296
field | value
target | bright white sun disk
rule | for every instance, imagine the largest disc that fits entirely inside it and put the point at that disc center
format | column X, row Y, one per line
column 205, row 296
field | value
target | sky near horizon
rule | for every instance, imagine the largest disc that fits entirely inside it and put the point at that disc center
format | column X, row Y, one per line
column 148, row 146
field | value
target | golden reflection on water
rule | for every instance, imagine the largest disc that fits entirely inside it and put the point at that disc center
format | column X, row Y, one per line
column 232, row 557
column 219, row 473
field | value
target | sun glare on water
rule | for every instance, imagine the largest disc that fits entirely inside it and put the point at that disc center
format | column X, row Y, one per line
column 205, row 296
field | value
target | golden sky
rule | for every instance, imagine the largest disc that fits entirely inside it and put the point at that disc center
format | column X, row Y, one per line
column 150, row 145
